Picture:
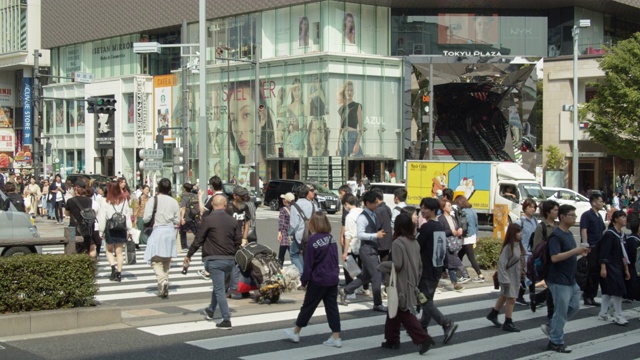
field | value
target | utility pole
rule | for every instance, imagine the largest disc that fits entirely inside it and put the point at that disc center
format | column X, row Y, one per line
column 185, row 107
column 35, row 124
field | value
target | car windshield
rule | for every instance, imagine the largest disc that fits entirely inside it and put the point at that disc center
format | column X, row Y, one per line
column 549, row 193
column 321, row 189
column 531, row 190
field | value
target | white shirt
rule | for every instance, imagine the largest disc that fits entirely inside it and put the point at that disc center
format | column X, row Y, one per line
column 351, row 230
column 616, row 202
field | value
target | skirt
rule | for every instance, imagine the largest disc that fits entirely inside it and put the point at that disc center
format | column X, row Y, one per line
column 115, row 237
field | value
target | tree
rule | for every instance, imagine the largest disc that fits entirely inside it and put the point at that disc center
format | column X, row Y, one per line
column 615, row 110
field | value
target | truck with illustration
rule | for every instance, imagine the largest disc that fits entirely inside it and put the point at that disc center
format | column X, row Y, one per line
column 485, row 184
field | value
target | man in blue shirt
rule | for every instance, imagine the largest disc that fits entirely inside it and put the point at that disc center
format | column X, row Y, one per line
column 369, row 233
column 591, row 230
column 561, row 278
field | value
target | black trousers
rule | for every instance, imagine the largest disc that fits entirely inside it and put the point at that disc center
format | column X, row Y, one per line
column 329, row 297
column 593, row 279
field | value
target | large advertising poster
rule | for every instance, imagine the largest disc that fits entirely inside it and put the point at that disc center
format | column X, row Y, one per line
column 308, row 116
column 7, row 95
column 468, row 29
column 162, row 89
column 424, row 179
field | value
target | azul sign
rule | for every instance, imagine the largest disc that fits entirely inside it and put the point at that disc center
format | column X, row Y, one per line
column 26, row 111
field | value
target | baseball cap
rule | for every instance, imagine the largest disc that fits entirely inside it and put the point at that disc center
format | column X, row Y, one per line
column 240, row 191
column 288, row 196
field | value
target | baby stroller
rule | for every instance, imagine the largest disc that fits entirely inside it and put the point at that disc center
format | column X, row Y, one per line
column 261, row 264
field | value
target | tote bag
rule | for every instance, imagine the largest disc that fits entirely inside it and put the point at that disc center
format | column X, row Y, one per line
column 392, row 295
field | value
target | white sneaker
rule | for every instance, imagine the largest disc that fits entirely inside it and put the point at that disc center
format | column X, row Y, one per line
column 351, row 296
column 463, row 280
column 604, row 317
column 478, row 280
column 620, row 320
column 292, row 336
column 203, row 274
column 333, row 342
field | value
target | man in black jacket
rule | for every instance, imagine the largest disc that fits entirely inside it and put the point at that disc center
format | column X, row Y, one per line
column 433, row 242
column 220, row 236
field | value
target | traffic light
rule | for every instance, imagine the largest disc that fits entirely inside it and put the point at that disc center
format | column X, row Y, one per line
column 91, row 105
column 178, row 160
column 425, row 104
column 101, row 105
column 105, row 105
column 47, row 149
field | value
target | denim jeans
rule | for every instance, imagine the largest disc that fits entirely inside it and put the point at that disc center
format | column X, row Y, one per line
column 294, row 254
column 348, row 142
column 566, row 300
column 218, row 269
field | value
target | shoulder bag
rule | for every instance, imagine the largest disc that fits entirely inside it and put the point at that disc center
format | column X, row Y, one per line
column 148, row 227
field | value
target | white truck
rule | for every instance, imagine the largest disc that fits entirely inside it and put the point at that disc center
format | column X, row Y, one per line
column 484, row 183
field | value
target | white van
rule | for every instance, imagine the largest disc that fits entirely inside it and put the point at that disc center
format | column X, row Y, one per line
column 388, row 189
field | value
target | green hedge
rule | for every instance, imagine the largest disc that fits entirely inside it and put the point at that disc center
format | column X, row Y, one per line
column 487, row 252
column 46, row 282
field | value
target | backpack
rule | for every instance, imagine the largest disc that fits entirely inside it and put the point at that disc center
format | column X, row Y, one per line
column 118, row 221
column 193, row 208
column 305, row 233
column 582, row 273
column 86, row 222
column 463, row 222
column 539, row 262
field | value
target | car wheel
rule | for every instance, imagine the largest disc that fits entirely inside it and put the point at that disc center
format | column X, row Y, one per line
column 17, row 251
column 274, row 205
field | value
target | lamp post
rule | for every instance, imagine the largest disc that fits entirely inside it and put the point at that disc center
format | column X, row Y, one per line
column 582, row 23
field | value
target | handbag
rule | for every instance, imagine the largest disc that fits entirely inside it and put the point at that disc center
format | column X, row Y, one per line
column 148, row 227
column 135, row 235
column 454, row 244
column 496, row 282
column 392, row 294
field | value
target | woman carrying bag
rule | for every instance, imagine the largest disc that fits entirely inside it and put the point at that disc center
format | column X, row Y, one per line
column 407, row 265
column 509, row 275
column 138, row 213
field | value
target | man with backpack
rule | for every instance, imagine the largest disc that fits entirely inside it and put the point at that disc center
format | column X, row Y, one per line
column 561, row 278
column 301, row 212
column 189, row 214
column 369, row 233
column 399, row 198
column 549, row 213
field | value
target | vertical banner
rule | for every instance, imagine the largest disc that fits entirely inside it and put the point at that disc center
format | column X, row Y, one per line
column 140, row 116
column 162, row 86
column 26, row 113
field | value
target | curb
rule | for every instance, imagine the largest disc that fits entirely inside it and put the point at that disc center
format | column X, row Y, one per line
column 58, row 320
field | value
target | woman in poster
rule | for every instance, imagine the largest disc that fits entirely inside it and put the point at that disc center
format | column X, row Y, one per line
column 295, row 115
column 483, row 25
column 303, row 32
column 241, row 107
column 316, row 99
column 318, row 138
column 350, row 134
column 349, row 29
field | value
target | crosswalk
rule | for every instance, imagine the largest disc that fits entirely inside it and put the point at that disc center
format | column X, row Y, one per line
column 260, row 336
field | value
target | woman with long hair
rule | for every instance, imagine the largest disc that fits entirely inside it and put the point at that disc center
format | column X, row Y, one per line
column 115, row 202
column 349, row 28
column 469, row 241
column 295, row 126
column 44, row 203
column 509, row 274
column 320, row 277
column 303, row 32
column 453, row 232
column 241, row 110
column 408, row 265
column 124, row 187
column 31, row 196
column 614, row 268
column 351, row 125
column 318, row 137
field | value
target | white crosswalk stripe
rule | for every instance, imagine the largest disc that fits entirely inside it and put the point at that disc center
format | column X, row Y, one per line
column 362, row 331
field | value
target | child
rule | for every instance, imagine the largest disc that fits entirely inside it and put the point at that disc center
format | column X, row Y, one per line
column 509, row 274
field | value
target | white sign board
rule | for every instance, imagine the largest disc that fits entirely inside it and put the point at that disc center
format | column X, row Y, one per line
column 148, row 165
column 151, row 153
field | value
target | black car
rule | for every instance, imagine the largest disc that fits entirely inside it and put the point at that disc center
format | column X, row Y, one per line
column 327, row 200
